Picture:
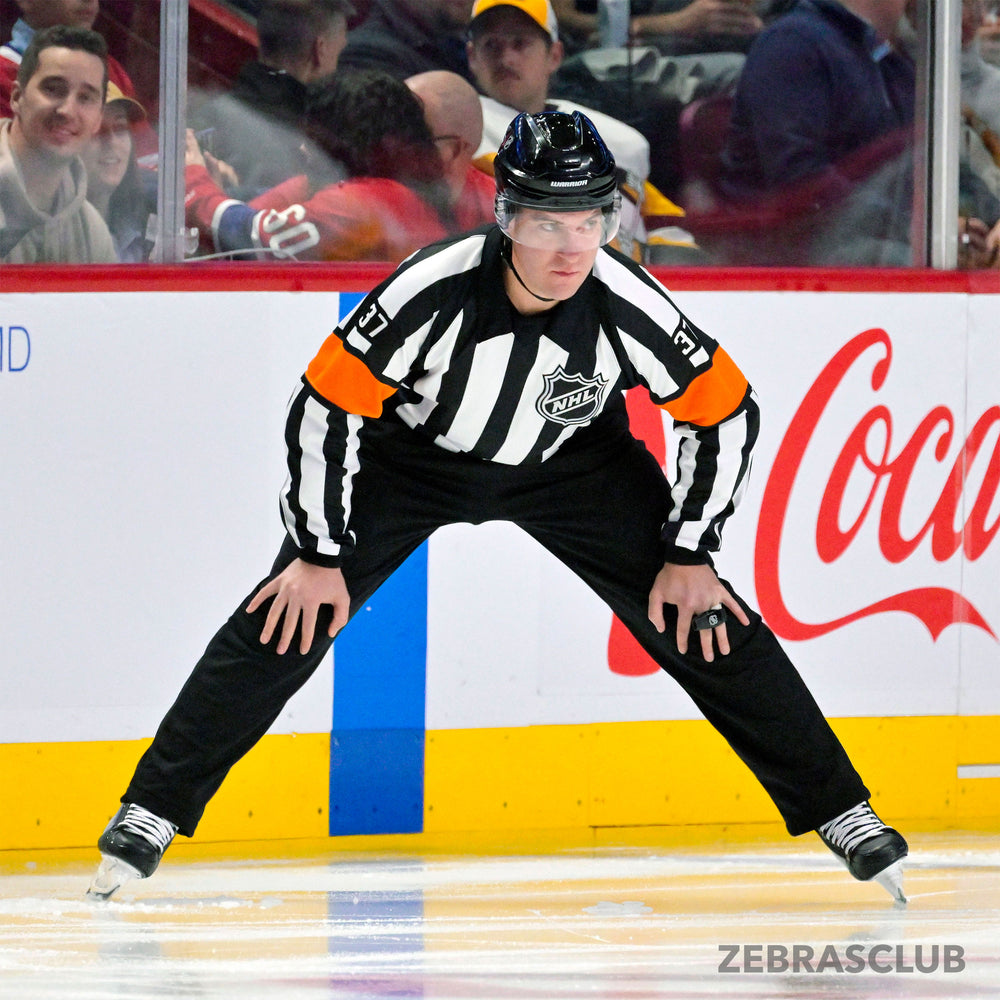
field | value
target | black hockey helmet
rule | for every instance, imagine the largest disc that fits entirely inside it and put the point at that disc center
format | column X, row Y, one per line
column 556, row 161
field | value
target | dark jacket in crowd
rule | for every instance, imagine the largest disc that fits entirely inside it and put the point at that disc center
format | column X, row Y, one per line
column 257, row 128
column 817, row 87
column 391, row 40
column 820, row 148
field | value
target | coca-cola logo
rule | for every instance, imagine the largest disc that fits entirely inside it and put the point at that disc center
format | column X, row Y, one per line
column 871, row 451
column 889, row 475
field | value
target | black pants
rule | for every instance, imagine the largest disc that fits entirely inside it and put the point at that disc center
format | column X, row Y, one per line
column 600, row 512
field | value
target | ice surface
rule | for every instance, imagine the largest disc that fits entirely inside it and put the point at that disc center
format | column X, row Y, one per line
column 596, row 923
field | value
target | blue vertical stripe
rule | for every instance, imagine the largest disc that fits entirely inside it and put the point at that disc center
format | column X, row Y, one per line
column 379, row 681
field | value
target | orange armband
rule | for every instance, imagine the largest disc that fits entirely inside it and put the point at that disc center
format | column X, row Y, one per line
column 343, row 380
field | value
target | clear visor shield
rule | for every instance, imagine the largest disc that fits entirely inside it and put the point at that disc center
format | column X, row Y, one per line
column 573, row 231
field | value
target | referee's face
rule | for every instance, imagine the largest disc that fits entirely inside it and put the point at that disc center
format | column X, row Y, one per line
column 555, row 251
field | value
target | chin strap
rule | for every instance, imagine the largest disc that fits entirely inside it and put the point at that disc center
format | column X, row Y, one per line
column 505, row 253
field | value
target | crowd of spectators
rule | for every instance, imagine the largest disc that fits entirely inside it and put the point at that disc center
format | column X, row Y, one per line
column 745, row 131
column 514, row 50
column 256, row 127
column 379, row 192
column 818, row 159
column 674, row 27
column 820, row 132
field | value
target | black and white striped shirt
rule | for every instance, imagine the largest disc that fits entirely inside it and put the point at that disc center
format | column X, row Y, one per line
column 440, row 346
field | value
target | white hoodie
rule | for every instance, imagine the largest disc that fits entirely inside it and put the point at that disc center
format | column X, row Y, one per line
column 73, row 233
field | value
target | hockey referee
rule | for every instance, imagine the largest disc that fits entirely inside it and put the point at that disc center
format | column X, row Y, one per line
column 484, row 380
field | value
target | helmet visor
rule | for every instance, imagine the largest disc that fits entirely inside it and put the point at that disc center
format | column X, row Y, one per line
column 572, row 231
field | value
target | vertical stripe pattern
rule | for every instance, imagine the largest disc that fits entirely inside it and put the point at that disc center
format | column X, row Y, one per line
column 475, row 377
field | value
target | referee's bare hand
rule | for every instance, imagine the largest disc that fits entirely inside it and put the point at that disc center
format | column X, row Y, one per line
column 299, row 591
column 693, row 589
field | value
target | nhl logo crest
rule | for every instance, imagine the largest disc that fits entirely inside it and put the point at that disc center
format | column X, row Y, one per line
column 571, row 399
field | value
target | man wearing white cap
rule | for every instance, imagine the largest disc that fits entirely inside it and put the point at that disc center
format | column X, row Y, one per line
column 514, row 49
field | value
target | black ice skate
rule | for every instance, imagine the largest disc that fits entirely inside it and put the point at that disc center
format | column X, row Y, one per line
column 868, row 848
column 131, row 847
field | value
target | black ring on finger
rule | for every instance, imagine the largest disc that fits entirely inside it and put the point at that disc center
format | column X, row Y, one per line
column 710, row 619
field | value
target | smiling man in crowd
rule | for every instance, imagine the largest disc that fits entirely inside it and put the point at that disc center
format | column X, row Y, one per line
column 57, row 103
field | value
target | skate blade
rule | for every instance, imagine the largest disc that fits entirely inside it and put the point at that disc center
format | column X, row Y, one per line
column 112, row 874
column 891, row 879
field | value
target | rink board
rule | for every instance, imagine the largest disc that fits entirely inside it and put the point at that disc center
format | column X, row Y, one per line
column 485, row 688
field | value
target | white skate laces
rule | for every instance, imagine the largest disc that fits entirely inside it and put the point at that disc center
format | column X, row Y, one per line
column 159, row 832
column 850, row 828
column 131, row 847
column 868, row 848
